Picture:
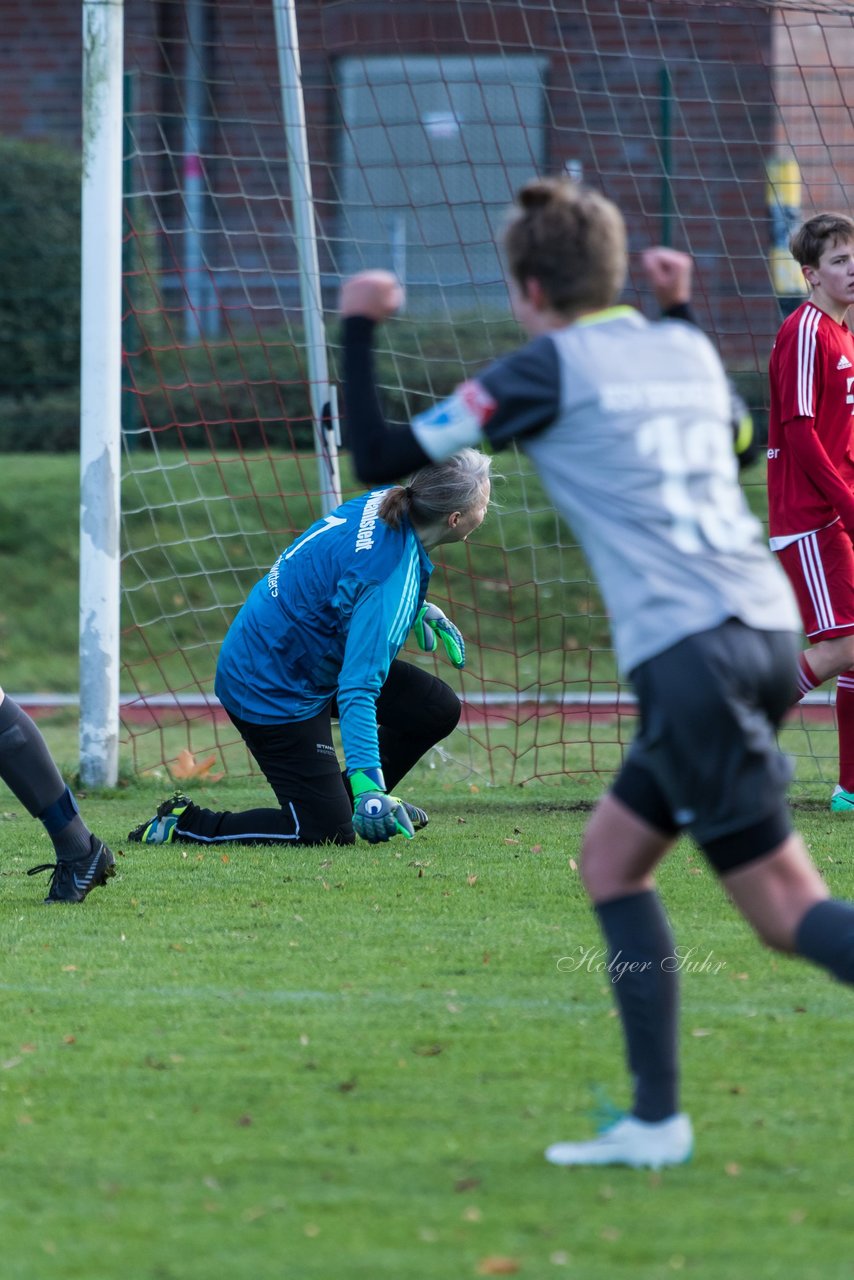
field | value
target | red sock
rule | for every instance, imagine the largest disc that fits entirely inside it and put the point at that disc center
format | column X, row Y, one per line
column 845, row 729
column 807, row 679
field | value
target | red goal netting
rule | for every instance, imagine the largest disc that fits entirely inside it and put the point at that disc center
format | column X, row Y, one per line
column 715, row 126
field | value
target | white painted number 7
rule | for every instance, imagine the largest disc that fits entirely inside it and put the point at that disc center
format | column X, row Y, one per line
column 329, row 522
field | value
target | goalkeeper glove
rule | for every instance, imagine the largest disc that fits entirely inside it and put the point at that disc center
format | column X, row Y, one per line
column 376, row 816
column 431, row 622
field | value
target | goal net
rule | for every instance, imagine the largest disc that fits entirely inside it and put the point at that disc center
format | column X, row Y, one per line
column 715, row 126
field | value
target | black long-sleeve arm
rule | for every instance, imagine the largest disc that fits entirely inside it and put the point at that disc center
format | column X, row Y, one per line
column 381, row 452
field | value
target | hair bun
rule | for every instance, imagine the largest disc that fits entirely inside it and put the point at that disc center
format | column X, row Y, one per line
column 539, row 193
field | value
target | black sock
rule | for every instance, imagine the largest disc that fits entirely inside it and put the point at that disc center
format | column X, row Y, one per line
column 27, row 768
column 647, row 993
column 826, row 936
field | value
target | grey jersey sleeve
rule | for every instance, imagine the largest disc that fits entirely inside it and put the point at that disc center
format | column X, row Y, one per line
column 517, row 396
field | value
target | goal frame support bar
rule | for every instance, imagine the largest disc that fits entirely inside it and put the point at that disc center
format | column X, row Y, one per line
column 100, row 390
column 322, row 394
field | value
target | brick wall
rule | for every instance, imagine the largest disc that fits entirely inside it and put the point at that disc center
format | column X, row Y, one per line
column 814, row 60
column 607, row 104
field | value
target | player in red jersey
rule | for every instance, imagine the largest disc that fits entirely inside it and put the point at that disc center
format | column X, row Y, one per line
column 811, row 468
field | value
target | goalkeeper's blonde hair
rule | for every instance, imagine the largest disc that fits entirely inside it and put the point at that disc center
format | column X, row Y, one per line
column 435, row 492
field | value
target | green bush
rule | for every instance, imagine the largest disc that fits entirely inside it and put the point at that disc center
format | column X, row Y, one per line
column 246, row 392
column 255, row 390
column 253, row 393
column 39, row 268
column 40, row 424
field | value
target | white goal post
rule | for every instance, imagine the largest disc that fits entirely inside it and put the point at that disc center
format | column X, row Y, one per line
column 100, row 390
column 101, row 355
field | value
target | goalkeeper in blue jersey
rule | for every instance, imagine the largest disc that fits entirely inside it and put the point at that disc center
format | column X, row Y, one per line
column 318, row 638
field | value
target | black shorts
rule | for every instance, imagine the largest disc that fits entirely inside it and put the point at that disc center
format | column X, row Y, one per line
column 706, row 758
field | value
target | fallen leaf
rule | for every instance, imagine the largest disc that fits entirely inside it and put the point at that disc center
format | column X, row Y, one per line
column 471, row 879
column 466, row 1184
column 497, row 1266
column 243, row 1122
column 732, row 1170
column 225, row 858
column 186, row 766
column 536, row 848
column 573, row 865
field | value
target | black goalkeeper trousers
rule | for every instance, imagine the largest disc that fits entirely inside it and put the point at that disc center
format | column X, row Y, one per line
column 415, row 710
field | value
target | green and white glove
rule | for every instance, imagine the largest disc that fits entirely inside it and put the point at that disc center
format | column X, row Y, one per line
column 431, row 625
column 377, row 817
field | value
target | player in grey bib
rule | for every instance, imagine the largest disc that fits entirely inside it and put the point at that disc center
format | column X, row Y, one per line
column 630, row 425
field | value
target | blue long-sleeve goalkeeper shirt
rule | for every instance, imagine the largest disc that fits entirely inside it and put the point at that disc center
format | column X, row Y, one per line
column 327, row 621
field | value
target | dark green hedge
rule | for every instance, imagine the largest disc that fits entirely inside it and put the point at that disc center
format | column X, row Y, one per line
column 229, row 399
column 39, row 269
column 242, row 394
column 250, row 393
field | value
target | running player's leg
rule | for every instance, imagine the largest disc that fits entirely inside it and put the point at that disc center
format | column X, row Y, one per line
column 820, row 568
column 28, row 769
column 709, row 709
column 620, row 851
column 786, row 901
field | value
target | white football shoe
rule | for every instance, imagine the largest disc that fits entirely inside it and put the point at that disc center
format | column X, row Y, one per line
column 638, row 1143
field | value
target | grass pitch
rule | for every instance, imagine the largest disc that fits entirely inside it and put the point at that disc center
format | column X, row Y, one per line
column 303, row 1064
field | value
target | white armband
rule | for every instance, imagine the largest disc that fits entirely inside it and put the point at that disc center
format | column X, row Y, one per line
column 455, row 423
